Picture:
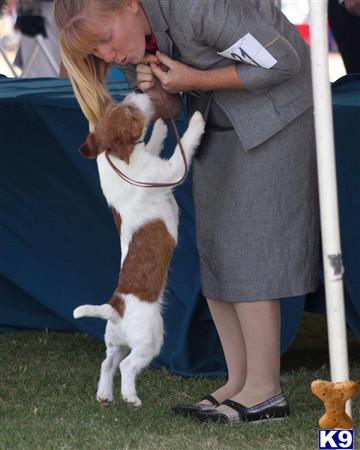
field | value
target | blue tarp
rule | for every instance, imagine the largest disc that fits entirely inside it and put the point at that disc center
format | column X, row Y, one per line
column 346, row 110
column 58, row 244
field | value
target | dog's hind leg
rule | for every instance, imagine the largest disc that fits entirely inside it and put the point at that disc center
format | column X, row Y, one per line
column 114, row 355
column 130, row 367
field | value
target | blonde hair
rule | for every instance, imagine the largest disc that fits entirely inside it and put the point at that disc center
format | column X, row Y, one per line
column 78, row 35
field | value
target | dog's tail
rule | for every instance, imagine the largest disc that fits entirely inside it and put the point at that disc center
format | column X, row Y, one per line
column 106, row 312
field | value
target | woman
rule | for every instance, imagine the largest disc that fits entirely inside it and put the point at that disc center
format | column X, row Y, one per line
column 247, row 69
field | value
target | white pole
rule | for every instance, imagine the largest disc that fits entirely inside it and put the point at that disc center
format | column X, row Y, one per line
column 332, row 258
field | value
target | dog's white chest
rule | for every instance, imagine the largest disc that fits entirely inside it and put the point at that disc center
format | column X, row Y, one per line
column 137, row 205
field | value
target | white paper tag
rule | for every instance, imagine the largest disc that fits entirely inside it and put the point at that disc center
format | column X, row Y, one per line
column 249, row 50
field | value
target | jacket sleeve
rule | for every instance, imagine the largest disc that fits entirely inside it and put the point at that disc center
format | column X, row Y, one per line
column 224, row 23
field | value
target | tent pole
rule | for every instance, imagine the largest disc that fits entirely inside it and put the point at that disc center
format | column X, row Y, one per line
column 331, row 248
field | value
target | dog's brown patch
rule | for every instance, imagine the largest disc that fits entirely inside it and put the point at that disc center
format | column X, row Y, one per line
column 120, row 130
column 117, row 132
column 117, row 303
column 146, row 264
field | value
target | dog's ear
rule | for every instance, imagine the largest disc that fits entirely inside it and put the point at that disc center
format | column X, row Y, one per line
column 90, row 148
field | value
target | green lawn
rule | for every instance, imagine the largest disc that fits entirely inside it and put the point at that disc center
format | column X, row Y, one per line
column 47, row 399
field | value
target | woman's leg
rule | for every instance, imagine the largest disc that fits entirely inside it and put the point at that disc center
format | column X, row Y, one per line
column 232, row 341
column 260, row 324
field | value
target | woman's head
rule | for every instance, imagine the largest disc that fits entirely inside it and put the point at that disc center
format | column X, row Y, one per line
column 94, row 34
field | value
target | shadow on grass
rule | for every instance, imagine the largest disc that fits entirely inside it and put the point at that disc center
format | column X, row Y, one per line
column 310, row 347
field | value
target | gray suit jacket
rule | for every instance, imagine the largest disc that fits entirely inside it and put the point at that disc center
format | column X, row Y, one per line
column 199, row 29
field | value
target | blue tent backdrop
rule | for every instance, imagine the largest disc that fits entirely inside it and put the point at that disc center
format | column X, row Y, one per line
column 59, row 247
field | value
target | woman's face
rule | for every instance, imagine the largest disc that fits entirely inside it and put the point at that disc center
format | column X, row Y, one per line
column 123, row 40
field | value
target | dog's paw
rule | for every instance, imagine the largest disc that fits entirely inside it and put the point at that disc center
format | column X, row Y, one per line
column 104, row 394
column 132, row 399
column 197, row 121
column 104, row 399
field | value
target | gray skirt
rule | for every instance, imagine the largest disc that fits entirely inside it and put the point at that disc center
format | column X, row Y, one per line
column 256, row 212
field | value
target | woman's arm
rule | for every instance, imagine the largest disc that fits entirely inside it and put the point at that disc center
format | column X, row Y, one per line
column 266, row 44
column 182, row 78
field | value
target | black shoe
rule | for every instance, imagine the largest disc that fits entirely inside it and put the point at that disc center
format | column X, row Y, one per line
column 276, row 407
column 189, row 410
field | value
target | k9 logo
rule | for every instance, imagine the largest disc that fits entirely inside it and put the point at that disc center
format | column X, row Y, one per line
column 338, row 439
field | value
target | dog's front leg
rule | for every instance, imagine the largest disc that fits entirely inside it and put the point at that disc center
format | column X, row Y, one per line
column 173, row 169
column 158, row 136
column 114, row 355
column 192, row 136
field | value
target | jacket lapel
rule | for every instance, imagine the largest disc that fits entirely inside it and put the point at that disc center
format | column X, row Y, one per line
column 164, row 43
column 158, row 25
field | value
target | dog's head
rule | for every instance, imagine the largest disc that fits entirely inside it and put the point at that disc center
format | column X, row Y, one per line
column 122, row 126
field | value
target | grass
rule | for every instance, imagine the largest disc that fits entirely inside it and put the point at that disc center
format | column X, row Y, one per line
column 47, row 399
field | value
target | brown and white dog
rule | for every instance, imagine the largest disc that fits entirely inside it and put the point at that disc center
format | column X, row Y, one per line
column 147, row 220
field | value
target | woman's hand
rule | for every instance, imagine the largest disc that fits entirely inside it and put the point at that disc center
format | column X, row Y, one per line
column 151, row 85
column 146, row 81
column 353, row 6
column 178, row 78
